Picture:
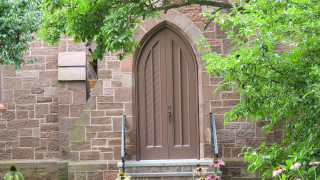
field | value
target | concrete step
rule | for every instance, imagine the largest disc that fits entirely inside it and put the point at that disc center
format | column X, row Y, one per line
column 164, row 169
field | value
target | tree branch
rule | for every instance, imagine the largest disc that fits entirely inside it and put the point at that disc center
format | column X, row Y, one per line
column 199, row 2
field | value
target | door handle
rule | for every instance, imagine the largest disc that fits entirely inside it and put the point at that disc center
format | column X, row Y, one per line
column 169, row 113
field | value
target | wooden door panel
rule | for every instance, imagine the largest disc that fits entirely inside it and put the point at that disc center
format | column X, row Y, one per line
column 152, row 100
column 167, row 83
column 184, row 96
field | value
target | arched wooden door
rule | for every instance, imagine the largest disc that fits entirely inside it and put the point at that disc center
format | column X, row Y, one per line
column 167, row 98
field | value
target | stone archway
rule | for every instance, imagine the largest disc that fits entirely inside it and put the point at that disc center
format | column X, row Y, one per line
column 190, row 32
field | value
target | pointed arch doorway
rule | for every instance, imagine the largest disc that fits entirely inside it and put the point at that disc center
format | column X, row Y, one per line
column 167, row 98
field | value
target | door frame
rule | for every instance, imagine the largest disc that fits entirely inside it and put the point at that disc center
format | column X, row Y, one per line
column 138, row 51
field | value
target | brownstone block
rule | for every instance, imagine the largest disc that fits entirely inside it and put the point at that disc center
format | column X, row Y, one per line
column 113, row 65
column 77, row 85
column 116, row 122
column 109, row 135
column 245, row 133
column 12, row 83
column 90, row 155
column 53, row 144
column 17, row 124
column 8, row 115
column 99, row 142
column 226, row 136
column 230, row 102
column 21, row 92
column 26, row 99
column 4, row 157
column 114, row 113
column 80, row 146
column 75, row 110
column 22, row 153
column 72, row 46
column 37, row 91
column 63, row 110
column 108, row 106
column 127, row 65
column 54, row 108
column 230, row 95
column 29, row 107
column 25, row 132
column 44, row 51
column 208, row 93
column 123, row 95
column 110, row 175
column 232, row 125
column 7, row 96
column 42, row 110
column 29, row 141
column 50, row 65
column 22, row 114
column 195, row 17
column 8, row 71
column 216, row 103
column 107, row 156
column 99, row 128
column 95, row 175
column 220, row 110
column 44, row 99
column 105, row 99
column 9, row 135
column 114, row 142
column 49, row 135
column 52, row 118
column 254, row 142
column 65, row 97
column 79, row 97
column 190, row 8
column 105, row 74
column 98, row 113
column 101, row 120
column 49, row 127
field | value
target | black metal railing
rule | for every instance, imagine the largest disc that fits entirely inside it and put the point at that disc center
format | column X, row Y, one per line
column 123, row 143
column 214, row 143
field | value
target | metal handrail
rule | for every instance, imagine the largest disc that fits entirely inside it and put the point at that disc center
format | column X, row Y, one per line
column 123, row 143
column 214, row 142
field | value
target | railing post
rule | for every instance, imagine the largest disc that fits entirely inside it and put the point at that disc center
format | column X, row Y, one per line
column 123, row 143
column 214, row 143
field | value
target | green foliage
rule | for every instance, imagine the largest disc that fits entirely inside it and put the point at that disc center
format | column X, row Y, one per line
column 109, row 23
column 277, row 85
column 13, row 174
column 18, row 20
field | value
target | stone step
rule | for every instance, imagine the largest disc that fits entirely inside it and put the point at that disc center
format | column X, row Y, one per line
column 165, row 169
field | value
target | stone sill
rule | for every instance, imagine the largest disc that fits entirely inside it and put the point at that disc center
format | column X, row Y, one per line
column 180, row 162
column 169, row 174
column 3, row 107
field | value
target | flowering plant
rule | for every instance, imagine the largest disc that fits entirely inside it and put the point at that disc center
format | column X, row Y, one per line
column 295, row 172
column 200, row 171
column 123, row 176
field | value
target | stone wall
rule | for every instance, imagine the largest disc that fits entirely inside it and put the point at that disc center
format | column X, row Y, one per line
column 46, row 119
column 29, row 125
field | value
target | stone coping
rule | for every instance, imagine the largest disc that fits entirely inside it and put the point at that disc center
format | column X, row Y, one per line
column 178, row 162
column 170, row 174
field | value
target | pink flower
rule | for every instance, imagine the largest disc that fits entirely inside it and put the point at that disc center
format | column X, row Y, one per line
column 295, row 165
column 296, row 179
column 277, row 171
column 313, row 163
column 199, row 170
column 217, row 163
column 212, row 177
